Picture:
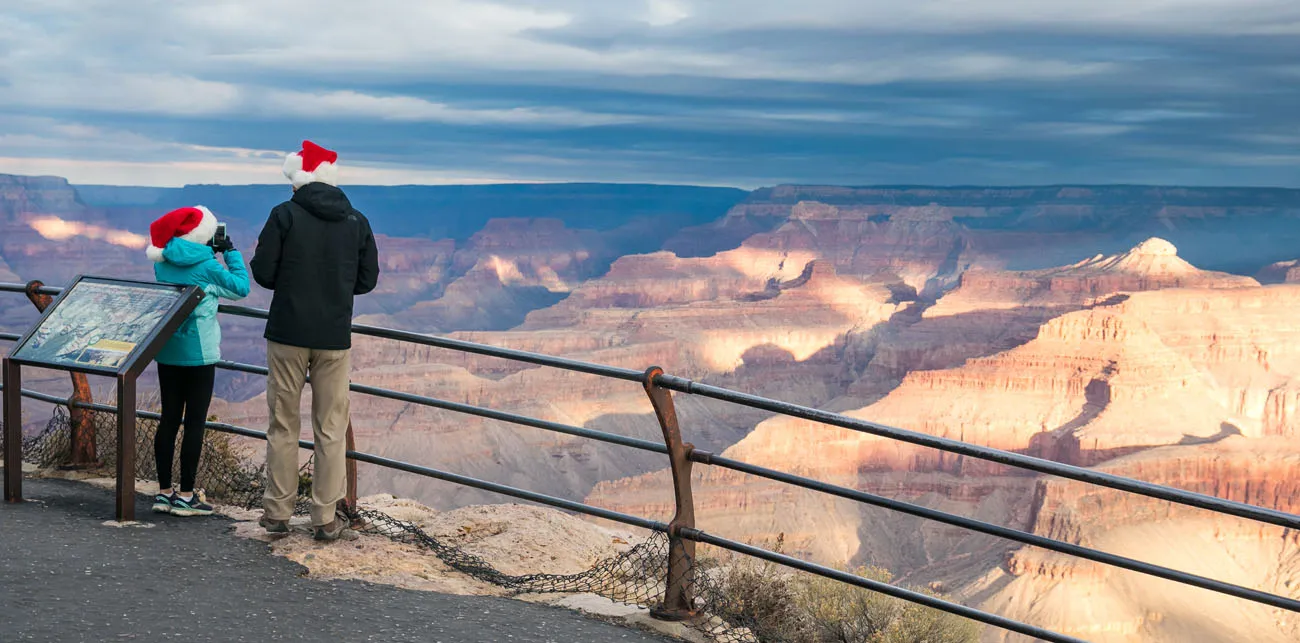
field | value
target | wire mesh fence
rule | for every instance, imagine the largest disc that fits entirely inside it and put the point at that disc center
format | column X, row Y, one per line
column 227, row 475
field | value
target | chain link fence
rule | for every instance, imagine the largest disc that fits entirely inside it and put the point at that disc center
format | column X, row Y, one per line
column 228, row 476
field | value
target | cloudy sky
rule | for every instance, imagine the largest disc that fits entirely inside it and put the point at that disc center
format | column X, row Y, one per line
column 716, row 92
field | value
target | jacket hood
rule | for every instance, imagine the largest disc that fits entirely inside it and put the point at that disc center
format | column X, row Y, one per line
column 186, row 253
column 323, row 201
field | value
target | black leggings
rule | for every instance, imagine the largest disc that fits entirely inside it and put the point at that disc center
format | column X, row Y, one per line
column 186, row 391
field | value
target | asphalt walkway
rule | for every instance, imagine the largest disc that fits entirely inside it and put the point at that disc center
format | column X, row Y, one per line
column 66, row 576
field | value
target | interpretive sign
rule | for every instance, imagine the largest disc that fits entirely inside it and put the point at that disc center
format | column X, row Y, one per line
column 98, row 326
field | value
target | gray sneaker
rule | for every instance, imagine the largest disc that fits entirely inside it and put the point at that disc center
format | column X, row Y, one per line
column 273, row 526
column 337, row 530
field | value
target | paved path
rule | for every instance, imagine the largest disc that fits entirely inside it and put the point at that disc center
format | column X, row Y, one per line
column 65, row 576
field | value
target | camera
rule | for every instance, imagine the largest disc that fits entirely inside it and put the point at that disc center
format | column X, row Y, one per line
column 220, row 242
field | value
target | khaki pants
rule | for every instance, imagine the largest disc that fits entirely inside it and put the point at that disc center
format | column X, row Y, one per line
column 330, row 370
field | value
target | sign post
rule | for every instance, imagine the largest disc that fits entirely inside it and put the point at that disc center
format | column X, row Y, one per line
column 97, row 326
column 13, row 381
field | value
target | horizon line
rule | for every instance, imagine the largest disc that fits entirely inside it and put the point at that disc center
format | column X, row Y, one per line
column 720, row 186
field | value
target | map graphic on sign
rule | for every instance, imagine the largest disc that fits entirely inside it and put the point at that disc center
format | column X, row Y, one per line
column 98, row 325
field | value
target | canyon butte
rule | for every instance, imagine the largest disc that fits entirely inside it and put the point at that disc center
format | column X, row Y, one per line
column 1152, row 332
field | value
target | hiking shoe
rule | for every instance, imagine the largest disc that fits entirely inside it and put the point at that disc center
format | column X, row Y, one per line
column 162, row 504
column 336, row 530
column 192, row 507
column 273, row 526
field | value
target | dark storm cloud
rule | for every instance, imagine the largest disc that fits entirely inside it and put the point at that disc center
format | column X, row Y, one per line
column 721, row 92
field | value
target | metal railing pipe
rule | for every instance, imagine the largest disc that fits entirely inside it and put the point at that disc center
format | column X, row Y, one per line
column 877, row 586
column 469, row 409
column 1008, row 533
column 22, row 288
column 423, row 339
column 521, row 494
column 1120, row 483
column 625, row 374
column 427, row 472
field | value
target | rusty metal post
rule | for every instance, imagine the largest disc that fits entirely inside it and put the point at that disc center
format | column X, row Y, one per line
column 679, row 598
column 82, row 420
column 351, row 499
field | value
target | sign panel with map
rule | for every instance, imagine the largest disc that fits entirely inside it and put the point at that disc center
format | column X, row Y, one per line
column 105, row 326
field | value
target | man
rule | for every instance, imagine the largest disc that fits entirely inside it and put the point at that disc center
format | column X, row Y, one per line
column 316, row 253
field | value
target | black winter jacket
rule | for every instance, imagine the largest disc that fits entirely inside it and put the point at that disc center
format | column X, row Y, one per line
column 316, row 252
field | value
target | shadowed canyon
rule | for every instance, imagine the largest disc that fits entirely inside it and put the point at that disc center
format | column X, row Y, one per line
column 1152, row 332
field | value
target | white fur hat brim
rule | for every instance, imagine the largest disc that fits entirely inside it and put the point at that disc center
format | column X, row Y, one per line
column 327, row 173
column 201, row 234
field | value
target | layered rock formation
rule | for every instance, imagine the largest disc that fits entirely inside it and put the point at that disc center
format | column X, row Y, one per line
column 1099, row 603
column 1167, row 381
column 22, row 195
column 1151, row 265
column 1287, row 272
column 509, row 268
column 992, row 310
column 1036, row 227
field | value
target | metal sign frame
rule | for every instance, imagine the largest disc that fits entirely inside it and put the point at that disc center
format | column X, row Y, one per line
column 126, row 375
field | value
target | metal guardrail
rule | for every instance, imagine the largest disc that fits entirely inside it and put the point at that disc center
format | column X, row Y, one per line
column 359, row 456
column 682, row 530
column 1119, row 483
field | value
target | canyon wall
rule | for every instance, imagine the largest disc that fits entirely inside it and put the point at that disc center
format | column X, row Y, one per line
column 1191, row 385
column 1282, row 272
column 1107, row 327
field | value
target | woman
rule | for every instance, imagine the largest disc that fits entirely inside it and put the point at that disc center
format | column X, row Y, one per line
column 183, row 251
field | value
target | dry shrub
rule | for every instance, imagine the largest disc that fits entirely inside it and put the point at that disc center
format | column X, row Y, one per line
column 840, row 613
column 760, row 596
column 779, row 605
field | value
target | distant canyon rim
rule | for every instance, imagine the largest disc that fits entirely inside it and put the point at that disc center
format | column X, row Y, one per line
column 1152, row 332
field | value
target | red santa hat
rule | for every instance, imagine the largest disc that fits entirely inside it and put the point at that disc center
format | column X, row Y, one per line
column 313, row 164
column 195, row 224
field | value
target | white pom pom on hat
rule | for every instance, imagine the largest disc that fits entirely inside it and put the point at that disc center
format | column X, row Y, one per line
column 311, row 165
column 196, row 224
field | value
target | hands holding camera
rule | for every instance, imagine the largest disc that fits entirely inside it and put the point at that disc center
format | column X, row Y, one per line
column 221, row 241
column 223, row 245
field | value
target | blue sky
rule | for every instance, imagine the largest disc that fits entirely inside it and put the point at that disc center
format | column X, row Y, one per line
column 713, row 92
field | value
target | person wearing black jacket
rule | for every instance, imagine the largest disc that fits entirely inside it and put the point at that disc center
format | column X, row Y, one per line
column 316, row 252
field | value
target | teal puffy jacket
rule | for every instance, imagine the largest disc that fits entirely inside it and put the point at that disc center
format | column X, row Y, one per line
column 198, row 341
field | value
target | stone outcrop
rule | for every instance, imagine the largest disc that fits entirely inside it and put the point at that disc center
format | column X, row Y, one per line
column 993, row 310
column 505, row 271
column 1107, row 604
column 23, row 195
column 1282, row 272
column 1153, row 264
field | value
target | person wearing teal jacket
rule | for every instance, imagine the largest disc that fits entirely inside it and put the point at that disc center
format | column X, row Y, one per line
column 184, row 250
